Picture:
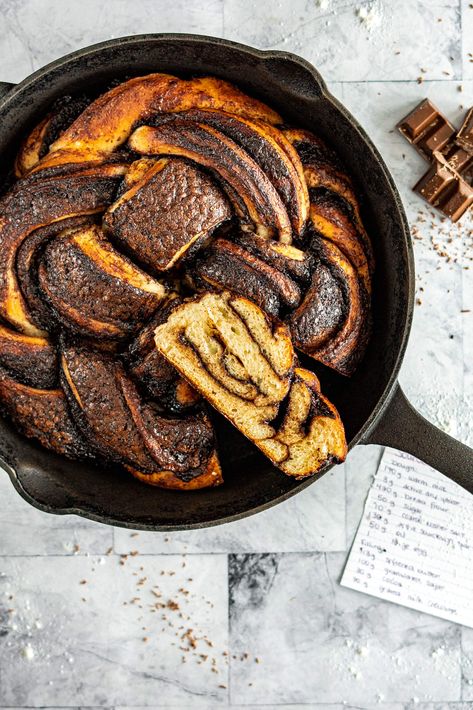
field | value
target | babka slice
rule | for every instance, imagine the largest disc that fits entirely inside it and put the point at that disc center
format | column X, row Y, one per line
column 167, row 214
column 311, row 435
column 243, row 364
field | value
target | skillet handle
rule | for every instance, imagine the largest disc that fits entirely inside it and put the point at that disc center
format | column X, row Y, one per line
column 5, row 88
column 402, row 427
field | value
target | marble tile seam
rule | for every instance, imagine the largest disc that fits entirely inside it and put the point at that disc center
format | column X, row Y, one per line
column 119, row 555
column 446, row 80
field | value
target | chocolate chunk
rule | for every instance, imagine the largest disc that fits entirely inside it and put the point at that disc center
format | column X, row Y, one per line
column 448, row 183
column 427, row 129
column 445, row 189
column 465, row 134
column 458, row 158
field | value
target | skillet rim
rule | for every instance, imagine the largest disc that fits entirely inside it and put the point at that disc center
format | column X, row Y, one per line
column 408, row 305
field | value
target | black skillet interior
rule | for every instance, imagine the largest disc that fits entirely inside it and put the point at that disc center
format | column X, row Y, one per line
column 251, row 483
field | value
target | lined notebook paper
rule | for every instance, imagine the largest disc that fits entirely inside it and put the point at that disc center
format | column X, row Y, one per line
column 414, row 545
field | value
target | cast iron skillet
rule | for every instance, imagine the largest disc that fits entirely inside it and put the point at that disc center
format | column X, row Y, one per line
column 371, row 404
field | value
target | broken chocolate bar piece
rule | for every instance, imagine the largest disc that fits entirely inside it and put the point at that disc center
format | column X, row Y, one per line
column 458, row 158
column 458, row 201
column 465, row 134
column 443, row 188
column 447, row 185
column 427, row 129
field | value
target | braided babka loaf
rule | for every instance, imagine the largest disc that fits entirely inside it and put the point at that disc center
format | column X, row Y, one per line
column 168, row 244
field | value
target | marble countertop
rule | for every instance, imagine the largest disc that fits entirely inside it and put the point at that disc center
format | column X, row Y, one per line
column 251, row 614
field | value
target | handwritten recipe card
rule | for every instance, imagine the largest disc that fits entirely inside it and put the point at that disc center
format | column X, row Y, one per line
column 414, row 546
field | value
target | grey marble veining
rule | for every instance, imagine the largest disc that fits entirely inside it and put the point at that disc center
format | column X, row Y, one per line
column 339, row 645
column 290, row 636
column 467, row 664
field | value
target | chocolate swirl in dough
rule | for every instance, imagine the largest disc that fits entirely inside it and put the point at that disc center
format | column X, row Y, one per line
column 244, row 366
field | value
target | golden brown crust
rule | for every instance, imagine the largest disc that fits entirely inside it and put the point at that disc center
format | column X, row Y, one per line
column 213, row 205
column 211, row 477
column 30, row 150
column 108, row 121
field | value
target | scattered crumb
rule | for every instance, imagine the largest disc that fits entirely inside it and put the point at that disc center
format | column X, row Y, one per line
column 28, row 652
column 369, row 15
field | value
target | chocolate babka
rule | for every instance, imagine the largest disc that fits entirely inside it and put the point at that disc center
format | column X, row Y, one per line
column 171, row 244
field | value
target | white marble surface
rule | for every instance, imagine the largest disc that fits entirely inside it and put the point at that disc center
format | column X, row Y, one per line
column 264, row 592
